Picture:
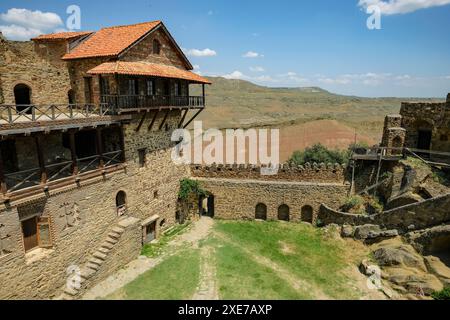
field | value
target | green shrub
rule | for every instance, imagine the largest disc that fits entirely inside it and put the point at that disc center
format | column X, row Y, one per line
column 442, row 295
column 353, row 202
column 319, row 154
column 189, row 186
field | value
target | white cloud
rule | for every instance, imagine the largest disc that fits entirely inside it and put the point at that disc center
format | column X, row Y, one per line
column 210, row 13
column 235, row 75
column 257, row 69
column 391, row 7
column 23, row 24
column 447, row 77
column 201, row 53
column 252, row 54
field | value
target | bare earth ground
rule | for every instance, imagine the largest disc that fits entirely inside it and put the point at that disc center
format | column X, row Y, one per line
column 208, row 287
column 198, row 231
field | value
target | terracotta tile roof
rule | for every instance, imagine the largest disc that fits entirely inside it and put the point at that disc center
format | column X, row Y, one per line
column 62, row 36
column 147, row 69
column 110, row 42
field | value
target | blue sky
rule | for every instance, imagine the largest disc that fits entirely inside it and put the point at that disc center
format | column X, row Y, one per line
column 294, row 43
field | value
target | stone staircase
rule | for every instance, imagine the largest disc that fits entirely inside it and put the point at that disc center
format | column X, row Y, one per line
column 97, row 259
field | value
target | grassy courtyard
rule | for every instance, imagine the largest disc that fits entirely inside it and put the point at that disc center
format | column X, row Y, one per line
column 253, row 261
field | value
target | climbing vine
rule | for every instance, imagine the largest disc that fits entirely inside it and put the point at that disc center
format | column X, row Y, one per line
column 189, row 186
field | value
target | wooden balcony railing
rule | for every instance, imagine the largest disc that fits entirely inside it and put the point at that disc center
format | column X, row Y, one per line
column 127, row 102
column 20, row 180
column 11, row 114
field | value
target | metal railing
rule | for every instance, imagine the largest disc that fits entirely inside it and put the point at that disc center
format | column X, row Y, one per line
column 23, row 113
column 144, row 101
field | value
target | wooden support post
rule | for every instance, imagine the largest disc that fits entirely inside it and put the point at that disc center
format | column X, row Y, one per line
column 73, row 151
column 99, row 141
column 204, row 95
column 380, row 163
column 141, row 122
column 150, row 127
column 40, row 152
column 193, row 118
column 165, row 119
column 180, row 124
column 3, row 187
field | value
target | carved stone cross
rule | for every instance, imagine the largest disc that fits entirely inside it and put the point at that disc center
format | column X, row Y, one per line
column 3, row 249
column 71, row 215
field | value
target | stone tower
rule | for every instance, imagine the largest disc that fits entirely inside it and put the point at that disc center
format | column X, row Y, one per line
column 393, row 135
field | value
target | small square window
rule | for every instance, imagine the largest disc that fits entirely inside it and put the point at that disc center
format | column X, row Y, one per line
column 142, row 157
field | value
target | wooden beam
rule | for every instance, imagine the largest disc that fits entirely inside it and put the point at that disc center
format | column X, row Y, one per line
column 99, row 142
column 150, row 127
column 141, row 122
column 73, row 151
column 192, row 119
column 3, row 187
column 203, row 93
column 38, row 142
column 165, row 119
column 180, row 124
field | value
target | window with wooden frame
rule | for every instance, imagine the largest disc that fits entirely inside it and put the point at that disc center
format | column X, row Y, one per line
column 104, row 86
column 36, row 233
column 151, row 87
column 133, row 87
column 178, row 89
column 156, row 47
column 142, row 157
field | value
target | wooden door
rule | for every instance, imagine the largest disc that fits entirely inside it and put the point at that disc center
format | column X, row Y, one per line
column 30, row 236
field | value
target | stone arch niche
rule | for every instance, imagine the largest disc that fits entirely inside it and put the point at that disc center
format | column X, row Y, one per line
column 121, row 203
column 22, row 96
column 424, row 131
column 261, row 211
column 397, row 144
column 284, row 213
column 307, row 214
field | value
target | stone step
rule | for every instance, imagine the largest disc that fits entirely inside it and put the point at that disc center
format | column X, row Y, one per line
column 71, row 291
column 105, row 250
column 99, row 255
column 96, row 261
column 114, row 235
column 107, row 245
column 118, row 229
column 112, row 241
column 93, row 266
column 87, row 273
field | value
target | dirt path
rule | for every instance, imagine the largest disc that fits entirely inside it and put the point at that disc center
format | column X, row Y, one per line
column 299, row 285
column 207, row 289
column 198, row 231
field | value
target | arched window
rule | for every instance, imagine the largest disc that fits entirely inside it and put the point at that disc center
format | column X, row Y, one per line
column 261, row 211
column 156, row 47
column 22, row 95
column 283, row 213
column 307, row 214
column 121, row 203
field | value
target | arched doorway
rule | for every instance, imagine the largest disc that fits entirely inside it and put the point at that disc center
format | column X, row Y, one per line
column 397, row 144
column 307, row 214
column 261, row 211
column 211, row 206
column 283, row 213
column 121, row 203
column 22, row 96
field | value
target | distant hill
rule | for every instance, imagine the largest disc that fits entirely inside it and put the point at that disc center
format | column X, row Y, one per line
column 242, row 104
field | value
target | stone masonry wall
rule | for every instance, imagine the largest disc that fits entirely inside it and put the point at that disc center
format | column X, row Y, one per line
column 237, row 199
column 82, row 216
column 307, row 173
column 39, row 66
column 416, row 216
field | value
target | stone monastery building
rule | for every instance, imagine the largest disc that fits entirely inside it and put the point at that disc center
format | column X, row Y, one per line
column 86, row 174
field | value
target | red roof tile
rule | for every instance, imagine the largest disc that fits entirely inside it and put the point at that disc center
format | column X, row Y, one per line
column 147, row 69
column 109, row 42
column 62, row 36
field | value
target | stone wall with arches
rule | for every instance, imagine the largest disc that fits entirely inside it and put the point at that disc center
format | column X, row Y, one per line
column 272, row 200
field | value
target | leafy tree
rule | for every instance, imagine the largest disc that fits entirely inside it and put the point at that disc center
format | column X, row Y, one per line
column 319, row 154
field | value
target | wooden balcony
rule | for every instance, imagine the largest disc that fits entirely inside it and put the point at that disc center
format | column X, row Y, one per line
column 15, row 114
column 132, row 103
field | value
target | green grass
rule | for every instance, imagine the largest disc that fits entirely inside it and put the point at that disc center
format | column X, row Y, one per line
column 442, row 295
column 176, row 278
column 312, row 257
column 239, row 277
column 152, row 250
